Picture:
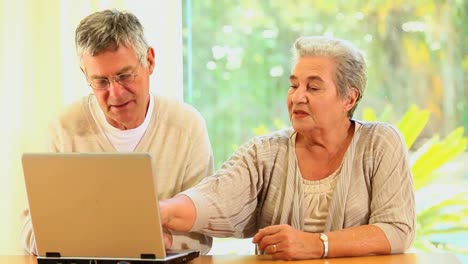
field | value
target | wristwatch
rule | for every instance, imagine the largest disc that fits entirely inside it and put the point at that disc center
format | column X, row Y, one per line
column 324, row 239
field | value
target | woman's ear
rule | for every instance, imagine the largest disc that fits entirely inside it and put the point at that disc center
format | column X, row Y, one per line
column 351, row 99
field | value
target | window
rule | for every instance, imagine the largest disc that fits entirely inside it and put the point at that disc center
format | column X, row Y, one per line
column 39, row 74
column 237, row 63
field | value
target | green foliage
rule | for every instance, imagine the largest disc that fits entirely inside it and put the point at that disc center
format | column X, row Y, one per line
column 237, row 58
column 436, row 154
column 412, row 123
column 449, row 215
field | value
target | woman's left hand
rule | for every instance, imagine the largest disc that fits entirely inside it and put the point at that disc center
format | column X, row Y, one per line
column 287, row 243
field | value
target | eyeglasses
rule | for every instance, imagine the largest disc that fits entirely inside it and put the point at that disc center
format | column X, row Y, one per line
column 104, row 83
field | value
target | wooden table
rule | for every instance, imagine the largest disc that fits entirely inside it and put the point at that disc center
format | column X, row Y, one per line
column 421, row 258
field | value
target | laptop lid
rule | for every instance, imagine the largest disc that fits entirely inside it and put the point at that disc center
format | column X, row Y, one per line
column 93, row 205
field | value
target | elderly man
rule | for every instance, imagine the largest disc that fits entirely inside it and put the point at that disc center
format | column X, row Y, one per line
column 121, row 115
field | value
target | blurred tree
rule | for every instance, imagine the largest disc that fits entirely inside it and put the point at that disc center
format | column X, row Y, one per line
column 237, row 58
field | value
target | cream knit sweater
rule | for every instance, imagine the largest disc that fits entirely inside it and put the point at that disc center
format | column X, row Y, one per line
column 261, row 185
column 176, row 138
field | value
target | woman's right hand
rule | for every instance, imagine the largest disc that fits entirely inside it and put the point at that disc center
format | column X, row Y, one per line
column 167, row 238
column 177, row 213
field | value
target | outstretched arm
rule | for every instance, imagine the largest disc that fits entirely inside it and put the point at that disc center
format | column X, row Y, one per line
column 178, row 213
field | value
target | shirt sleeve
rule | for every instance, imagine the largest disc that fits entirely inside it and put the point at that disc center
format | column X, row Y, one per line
column 28, row 240
column 200, row 164
column 226, row 202
column 392, row 204
column 200, row 158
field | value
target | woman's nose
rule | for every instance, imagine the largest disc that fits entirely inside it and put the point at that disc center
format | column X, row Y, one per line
column 299, row 95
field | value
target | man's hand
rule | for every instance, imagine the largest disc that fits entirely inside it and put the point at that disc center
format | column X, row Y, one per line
column 287, row 243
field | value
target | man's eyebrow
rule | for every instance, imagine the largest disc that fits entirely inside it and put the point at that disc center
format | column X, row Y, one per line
column 123, row 70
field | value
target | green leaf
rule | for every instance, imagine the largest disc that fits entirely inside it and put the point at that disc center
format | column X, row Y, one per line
column 424, row 244
column 446, row 231
column 460, row 199
column 412, row 123
column 437, row 216
column 436, row 155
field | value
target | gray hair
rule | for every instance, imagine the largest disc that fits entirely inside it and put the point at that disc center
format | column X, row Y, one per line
column 106, row 30
column 351, row 69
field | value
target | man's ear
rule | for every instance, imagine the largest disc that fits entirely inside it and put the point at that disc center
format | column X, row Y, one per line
column 351, row 99
column 150, row 59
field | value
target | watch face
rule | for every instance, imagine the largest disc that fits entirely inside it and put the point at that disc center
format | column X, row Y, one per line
column 323, row 237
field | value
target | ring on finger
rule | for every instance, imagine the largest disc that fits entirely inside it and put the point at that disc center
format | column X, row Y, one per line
column 275, row 248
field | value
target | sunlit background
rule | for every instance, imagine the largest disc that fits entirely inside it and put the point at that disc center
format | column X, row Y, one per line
column 231, row 60
column 40, row 75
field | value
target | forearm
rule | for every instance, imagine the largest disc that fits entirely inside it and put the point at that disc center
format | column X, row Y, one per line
column 358, row 241
column 287, row 243
column 178, row 213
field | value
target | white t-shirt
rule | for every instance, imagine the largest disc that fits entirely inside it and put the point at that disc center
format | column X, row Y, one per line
column 123, row 140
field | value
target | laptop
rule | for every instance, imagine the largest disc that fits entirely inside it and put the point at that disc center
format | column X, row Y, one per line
column 96, row 208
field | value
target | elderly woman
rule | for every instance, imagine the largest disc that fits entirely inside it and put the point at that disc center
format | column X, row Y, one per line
column 331, row 186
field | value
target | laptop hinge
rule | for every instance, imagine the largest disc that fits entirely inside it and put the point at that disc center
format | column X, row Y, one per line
column 147, row 256
column 53, row 255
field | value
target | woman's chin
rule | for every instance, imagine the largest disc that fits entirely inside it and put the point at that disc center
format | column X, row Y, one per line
column 301, row 126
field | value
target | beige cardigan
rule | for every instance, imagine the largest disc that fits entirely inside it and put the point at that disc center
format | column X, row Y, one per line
column 261, row 185
column 176, row 138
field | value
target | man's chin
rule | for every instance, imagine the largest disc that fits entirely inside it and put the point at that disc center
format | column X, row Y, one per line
column 119, row 122
column 127, row 124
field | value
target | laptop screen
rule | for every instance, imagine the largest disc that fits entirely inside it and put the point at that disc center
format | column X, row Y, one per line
column 93, row 204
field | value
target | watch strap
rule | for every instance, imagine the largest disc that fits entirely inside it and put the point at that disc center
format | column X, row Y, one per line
column 324, row 239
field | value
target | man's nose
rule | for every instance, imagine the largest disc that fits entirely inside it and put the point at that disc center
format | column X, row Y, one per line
column 115, row 88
